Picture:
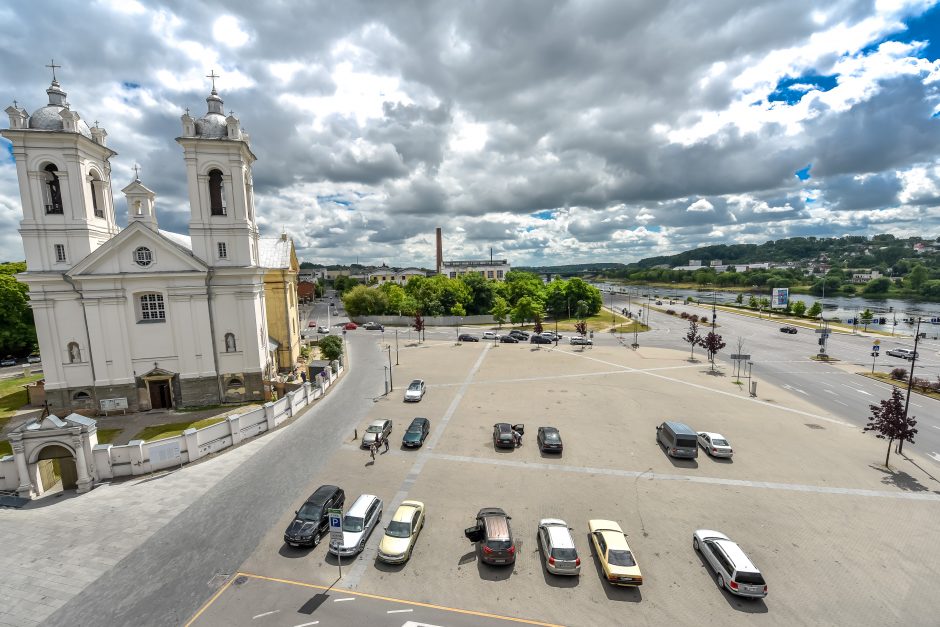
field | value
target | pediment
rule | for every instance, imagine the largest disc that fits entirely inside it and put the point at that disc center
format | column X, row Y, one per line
column 157, row 372
column 116, row 256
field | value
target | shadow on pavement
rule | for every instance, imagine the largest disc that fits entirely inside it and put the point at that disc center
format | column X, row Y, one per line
column 292, row 552
column 899, row 479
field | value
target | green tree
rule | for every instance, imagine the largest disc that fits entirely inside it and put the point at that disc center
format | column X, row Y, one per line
column 866, row 318
column 556, row 299
column 889, row 422
column 740, row 298
column 527, row 308
column 17, row 330
column 799, row 308
column 752, row 302
column 365, row 301
column 577, row 290
column 482, row 293
column 458, row 310
column 499, row 310
column 878, row 286
column 331, row 347
column 917, row 277
column 815, row 311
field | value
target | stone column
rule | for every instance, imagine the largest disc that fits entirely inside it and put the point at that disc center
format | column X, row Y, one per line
column 85, row 482
column 25, row 487
column 269, row 415
column 234, row 428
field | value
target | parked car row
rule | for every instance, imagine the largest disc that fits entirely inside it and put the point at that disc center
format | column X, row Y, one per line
column 380, row 430
column 680, row 440
column 10, row 360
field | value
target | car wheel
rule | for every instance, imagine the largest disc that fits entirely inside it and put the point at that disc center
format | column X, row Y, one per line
column 317, row 538
column 720, row 580
column 694, row 543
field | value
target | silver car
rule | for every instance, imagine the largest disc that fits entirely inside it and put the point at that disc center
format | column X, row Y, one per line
column 378, row 431
column 733, row 570
column 561, row 556
column 715, row 444
column 415, row 391
column 358, row 524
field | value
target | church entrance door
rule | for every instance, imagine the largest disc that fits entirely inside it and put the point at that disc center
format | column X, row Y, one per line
column 56, row 464
column 160, row 394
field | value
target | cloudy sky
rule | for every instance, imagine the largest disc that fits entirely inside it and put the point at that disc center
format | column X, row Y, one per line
column 553, row 132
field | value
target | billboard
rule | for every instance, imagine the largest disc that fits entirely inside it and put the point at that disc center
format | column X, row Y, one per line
column 780, row 297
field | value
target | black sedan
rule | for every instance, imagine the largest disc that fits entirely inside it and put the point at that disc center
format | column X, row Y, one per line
column 549, row 440
column 466, row 337
column 417, row 432
column 519, row 334
column 503, row 436
column 311, row 522
column 539, row 339
column 508, row 339
column 788, row 329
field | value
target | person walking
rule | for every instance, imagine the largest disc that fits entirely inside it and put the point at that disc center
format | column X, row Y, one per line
column 386, row 444
column 372, row 449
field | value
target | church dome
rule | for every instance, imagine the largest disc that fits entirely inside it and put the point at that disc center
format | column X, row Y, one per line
column 213, row 125
column 47, row 118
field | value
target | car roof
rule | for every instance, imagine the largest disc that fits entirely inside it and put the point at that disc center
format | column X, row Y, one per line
column 378, row 423
column 737, row 556
column 558, row 533
column 490, row 511
column 418, row 421
column 548, row 429
column 413, row 381
column 680, row 428
column 361, row 504
column 503, row 426
column 712, row 435
column 322, row 493
column 406, row 511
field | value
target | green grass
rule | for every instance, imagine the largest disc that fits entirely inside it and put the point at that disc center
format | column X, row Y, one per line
column 13, row 395
column 186, row 410
column 5, row 448
column 170, row 429
column 106, row 436
column 886, row 378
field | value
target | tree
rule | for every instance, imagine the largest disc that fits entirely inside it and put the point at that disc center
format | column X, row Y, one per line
column 17, row 329
column 538, row 324
column 799, row 308
column 365, row 301
column 581, row 327
column 500, row 310
column 917, row 277
column 418, row 323
column 878, row 286
column 526, row 309
column 712, row 343
column 815, row 311
column 458, row 310
column 581, row 310
column 890, row 423
column 753, row 303
column 740, row 298
column 692, row 337
column 866, row 318
column 331, row 347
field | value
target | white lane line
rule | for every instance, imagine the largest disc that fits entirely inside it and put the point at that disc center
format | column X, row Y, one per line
column 935, row 426
column 344, row 599
column 316, row 622
column 934, row 456
column 265, row 614
column 397, row 611
column 840, row 402
column 855, row 389
column 770, row 485
column 829, row 392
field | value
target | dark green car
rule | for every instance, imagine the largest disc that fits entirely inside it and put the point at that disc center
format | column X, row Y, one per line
column 417, row 431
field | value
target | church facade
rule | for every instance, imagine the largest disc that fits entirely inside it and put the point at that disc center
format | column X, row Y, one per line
column 142, row 316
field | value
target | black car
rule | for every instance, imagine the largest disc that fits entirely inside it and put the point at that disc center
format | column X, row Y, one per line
column 788, row 329
column 538, row 339
column 508, row 339
column 312, row 521
column 503, row 434
column 549, row 440
column 519, row 334
column 466, row 337
column 373, row 326
column 417, row 431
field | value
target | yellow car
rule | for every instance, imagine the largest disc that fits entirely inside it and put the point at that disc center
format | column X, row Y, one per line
column 400, row 535
column 610, row 543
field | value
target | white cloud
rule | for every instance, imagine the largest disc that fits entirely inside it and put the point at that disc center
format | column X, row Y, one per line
column 701, row 205
column 227, row 30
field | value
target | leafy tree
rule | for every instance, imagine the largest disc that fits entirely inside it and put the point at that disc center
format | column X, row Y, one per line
column 889, row 423
column 693, row 337
column 499, row 310
column 343, row 284
column 740, row 298
column 331, row 347
column 878, row 286
column 523, row 284
column 577, row 291
column 398, row 302
column 581, row 327
column 712, row 343
column 866, row 318
column 482, row 293
column 538, row 324
column 764, row 303
column 581, row 310
column 917, row 277
column 526, row 309
column 418, row 323
column 815, row 311
column 556, row 300
column 365, row 301
column 458, row 310
column 753, row 303
column 799, row 308
column 17, row 329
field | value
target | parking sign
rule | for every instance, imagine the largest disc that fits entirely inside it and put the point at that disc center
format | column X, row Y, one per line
column 336, row 525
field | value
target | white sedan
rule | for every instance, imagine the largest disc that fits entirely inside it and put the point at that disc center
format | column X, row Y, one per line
column 490, row 335
column 715, row 444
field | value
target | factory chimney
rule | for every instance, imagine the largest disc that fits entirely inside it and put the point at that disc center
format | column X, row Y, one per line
column 440, row 251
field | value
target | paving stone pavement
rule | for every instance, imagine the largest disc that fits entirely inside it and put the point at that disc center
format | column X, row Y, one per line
column 50, row 553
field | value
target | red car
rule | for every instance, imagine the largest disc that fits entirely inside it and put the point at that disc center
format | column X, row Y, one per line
column 350, row 326
column 312, row 323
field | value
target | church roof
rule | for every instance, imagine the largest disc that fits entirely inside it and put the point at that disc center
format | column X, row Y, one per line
column 178, row 238
column 47, row 118
column 274, row 252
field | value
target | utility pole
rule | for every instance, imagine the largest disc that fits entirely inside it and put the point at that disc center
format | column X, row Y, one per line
column 910, row 381
column 396, row 347
column 391, row 384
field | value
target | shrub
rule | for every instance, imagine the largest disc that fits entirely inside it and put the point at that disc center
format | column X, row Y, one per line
column 924, row 384
column 684, row 315
column 694, row 317
column 670, row 312
column 899, row 374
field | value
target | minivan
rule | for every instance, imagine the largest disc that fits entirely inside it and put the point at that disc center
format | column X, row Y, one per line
column 358, row 524
column 493, row 533
column 312, row 521
column 679, row 439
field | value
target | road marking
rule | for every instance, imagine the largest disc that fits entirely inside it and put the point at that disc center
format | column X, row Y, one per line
column 398, row 611
column 378, row 597
column 829, row 392
column 210, row 602
column 316, row 622
column 840, row 402
column 934, row 456
column 265, row 614
column 613, row 472
column 855, row 389
column 344, row 599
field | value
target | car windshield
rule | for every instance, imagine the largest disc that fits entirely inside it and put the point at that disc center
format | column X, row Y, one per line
column 374, row 429
column 719, row 442
column 565, row 554
column 398, row 529
column 753, row 579
column 352, row 524
column 309, row 511
column 617, row 557
column 414, row 386
column 550, row 436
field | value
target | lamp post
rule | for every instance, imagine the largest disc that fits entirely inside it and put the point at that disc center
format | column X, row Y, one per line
column 396, row 347
column 910, row 381
column 613, row 319
column 391, row 383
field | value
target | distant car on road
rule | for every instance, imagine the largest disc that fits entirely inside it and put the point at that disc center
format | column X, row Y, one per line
column 659, row 302
column 490, row 335
column 549, row 440
column 417, row 431
column 508, row 339
column 322, row 329
column 617, row 560
column 551, row 335
column 373, row 326
column 466, row 337
column 539, row 339
column 733, row 569
column 788, row 329
column 904, row 353
column 561, row 556
column 312, row 522
column 312, row 323
column 519, row 334
column 9, row 360
column 350, row 326
column 34, row 359
column 402, row 533
column 415, row 391
column 378, row 431
column 580, row 339
column 715, row 444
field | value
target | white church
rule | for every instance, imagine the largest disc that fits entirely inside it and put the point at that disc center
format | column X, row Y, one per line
column 140, row 315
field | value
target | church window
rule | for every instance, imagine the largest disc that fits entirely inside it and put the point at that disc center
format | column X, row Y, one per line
column 75, row 353
column 97, row 198
column 223, row 250
column 235, row 383
column 216, row 193
column 230, row 343
column 143, row 256
column 59, row 253
column 81, row 395
column 53, row 191
column 151, row 308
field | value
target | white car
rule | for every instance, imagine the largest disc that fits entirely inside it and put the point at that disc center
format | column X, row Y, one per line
column 415, row 391
column 358, row 524
column 734, row 571
column 561, row 556
column 715, row 444
column 580, row 339
column 904, row 353
column 490, row 335
column 322, row 329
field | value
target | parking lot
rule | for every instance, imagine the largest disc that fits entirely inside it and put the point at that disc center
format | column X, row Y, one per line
column 838, row 539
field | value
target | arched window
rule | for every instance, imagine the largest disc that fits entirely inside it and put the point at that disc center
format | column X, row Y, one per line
column 81, row 395
column 235, row 383
column 75, row 353
column 97, row 195
column 151, row 308
column 52, row 192
column 229, row 342
column 216, row 193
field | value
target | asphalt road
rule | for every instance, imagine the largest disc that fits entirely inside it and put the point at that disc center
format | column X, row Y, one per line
column 167, row 579
column 784, row 360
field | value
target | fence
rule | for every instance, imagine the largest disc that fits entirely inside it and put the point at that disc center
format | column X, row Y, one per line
column 430, row 321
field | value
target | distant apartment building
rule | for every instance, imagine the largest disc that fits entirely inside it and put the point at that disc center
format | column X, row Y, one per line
column 488, row 268
column 393, row 275
column 864, row 276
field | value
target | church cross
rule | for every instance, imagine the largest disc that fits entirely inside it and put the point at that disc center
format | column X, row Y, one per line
column 136, row 172
column 53, row 66
column 213, row 76
column 15, row 105
column 96, row 123
column 187, row 110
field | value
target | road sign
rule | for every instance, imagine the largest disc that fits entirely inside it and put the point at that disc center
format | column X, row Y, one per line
column 876, row 342
column 740, row 357
column 876, row 348
column 336, row 525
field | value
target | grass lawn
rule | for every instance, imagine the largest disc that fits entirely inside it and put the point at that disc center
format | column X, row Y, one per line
column 884, row 377
column 594, row 323
column 106, row 436
column 13, row 396
column 169, row 429
column 5, row 448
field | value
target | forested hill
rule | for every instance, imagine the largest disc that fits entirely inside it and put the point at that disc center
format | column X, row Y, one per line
column 573, row 268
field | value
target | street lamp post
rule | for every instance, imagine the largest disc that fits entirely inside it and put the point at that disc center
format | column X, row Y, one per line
column 396, row 347
column 391, row 381
column 910, row 381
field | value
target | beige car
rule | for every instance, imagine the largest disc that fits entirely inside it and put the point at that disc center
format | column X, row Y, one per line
column 402, row 532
